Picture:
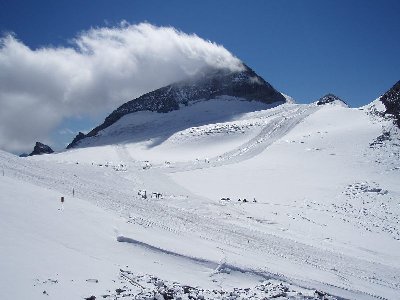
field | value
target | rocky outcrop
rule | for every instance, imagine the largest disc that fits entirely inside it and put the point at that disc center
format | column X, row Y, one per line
column 330, row 99
column 41, row 149
column 76, row 139
column 391, row 100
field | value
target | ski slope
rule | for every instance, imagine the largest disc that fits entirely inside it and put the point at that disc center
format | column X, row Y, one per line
column 321, row 213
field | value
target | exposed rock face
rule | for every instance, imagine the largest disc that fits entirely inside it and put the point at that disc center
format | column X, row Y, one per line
column 330, row 98
column 391, row 100
column 244, row 84
column 76, row 139
column 41, row 149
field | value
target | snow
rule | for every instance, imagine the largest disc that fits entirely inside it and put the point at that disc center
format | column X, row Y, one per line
column 160, row 137
column 375, row 105
column 73, row 252
column 289, row 99
column 322, row 208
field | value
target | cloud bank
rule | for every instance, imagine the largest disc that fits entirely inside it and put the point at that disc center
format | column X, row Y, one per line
column 100, row 70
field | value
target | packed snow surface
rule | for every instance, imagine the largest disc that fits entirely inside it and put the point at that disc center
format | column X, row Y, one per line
column 222, row 199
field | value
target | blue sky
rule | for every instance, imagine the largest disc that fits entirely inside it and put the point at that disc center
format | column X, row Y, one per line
column 303, row 48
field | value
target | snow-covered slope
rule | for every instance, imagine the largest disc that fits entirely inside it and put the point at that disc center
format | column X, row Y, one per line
column 321, row 211
column 198, row 131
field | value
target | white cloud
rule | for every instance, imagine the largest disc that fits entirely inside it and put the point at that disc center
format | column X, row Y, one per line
column 103, row 68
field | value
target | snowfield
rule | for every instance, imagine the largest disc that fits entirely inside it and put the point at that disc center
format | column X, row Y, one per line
column 222, row 199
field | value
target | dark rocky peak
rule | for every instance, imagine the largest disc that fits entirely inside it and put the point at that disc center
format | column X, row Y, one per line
column 330, row 99
column 76, row 139
column 207, row 84
column 391, row 100
column 41, row 149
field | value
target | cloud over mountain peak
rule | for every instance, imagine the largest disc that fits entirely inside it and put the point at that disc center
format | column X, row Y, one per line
column 100, row 69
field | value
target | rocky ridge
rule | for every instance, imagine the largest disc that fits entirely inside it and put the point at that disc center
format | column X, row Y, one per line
column 330, row 98
column 40, row 149
column 391, row 100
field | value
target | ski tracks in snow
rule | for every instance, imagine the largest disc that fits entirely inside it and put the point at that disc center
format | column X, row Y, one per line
column 275, row 126
column 244, row 246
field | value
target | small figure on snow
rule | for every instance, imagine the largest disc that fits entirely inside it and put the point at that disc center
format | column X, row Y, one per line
column 62, row 203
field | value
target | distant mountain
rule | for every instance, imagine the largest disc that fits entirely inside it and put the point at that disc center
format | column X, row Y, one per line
column 210, row 84
column 331, row 99
column 391, row 100
column 41, row 149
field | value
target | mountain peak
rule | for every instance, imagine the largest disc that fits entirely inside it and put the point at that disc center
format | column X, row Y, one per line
column 331, row 99
column 41, row 148
column 206, row 85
